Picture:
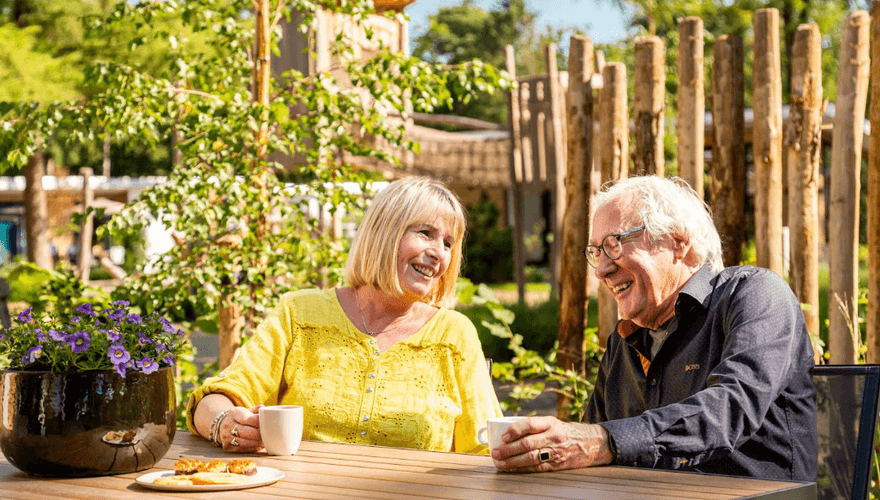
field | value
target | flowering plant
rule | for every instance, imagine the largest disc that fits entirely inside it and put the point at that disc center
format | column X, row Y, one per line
column 111, row 339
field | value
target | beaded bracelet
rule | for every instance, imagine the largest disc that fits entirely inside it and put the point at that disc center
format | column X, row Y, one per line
column 214, row 434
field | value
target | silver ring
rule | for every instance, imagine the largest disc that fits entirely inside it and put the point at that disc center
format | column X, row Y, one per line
column 235, row 431
column 543, row 455
column 233, row 442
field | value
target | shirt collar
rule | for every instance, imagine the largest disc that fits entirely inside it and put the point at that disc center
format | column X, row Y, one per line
column 699, row 287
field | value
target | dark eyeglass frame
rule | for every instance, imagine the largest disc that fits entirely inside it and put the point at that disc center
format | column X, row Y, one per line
column 620, row 238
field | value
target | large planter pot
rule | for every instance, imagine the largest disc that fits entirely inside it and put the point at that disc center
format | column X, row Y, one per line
column 86, row 423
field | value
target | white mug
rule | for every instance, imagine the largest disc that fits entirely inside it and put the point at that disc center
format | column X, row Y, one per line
column 495, row 427
column 281, row 428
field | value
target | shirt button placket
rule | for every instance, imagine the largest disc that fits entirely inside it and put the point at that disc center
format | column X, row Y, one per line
column 369, row 391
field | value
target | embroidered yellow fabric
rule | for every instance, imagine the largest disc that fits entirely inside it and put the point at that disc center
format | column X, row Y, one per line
column 431, row 391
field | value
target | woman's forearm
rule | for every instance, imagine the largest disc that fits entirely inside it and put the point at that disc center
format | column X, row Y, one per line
column 208, row 408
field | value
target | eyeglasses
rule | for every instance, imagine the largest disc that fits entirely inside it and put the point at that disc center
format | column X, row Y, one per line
column 612, row 245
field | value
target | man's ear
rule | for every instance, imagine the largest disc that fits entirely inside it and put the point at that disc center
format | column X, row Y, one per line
column 681, row 245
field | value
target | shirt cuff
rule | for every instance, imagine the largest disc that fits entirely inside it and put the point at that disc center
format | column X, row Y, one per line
column 633, row 443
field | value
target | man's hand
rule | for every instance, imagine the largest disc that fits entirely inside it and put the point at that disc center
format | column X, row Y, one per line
column 564, row 445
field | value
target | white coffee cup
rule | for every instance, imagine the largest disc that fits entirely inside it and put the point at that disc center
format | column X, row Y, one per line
column 281, row 428
column 495, row 427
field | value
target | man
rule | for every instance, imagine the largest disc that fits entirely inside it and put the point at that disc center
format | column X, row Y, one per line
column 709, row 369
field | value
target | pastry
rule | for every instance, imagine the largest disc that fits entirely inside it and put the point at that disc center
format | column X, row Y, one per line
column 243, row 466
column 218, row 478
column 175, row 480
column 186, row 466
column 213, row 466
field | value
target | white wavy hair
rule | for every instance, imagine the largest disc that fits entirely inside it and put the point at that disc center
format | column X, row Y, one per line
column 669, row 206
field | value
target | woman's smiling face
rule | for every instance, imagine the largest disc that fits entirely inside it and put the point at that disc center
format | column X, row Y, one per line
column 424, row 255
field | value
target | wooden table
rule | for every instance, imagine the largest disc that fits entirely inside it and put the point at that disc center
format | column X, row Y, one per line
column 330, row 470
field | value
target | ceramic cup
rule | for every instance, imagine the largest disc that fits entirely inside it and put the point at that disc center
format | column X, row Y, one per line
column 281, row 428
column 495, row 427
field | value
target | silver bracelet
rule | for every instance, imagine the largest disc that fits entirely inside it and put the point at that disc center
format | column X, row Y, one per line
column 214, row 434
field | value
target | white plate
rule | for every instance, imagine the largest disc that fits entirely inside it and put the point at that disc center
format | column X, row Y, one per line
column 264, row 476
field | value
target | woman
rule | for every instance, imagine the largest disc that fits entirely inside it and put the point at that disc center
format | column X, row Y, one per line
column 381, row 361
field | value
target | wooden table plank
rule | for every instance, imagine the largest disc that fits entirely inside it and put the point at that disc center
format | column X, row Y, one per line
column 332, row 470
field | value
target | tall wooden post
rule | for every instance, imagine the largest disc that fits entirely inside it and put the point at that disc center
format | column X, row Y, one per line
column 36, row 211
column 648, row 106
column 691, row 103
column 728, row 179
column 84, row 255
column 803, row 141
column 516, row 176
column 767, row 141
column 579, row 165
column 846, row 159
column 873, row 315
column 614, row 165
column 557, row 107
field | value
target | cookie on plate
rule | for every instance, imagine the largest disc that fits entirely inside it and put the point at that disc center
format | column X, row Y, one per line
column 186, row 466
column 218, row 478
column 174, row 480
column 213, row 466
column 243, row 466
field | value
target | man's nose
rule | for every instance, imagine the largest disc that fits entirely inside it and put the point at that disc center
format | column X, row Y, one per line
column 604, row 266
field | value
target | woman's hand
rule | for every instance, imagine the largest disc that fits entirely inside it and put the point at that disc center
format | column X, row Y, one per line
column 547, row 443
column 240, row 430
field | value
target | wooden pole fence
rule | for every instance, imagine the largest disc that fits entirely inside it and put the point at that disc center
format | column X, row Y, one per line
column 846, row 160
column 572, row 292
column 767, row 141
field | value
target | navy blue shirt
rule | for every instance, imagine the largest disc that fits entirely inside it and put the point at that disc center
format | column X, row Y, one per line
column 728, row 392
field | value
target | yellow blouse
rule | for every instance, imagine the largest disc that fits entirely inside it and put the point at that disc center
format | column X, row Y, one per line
column 430, row 391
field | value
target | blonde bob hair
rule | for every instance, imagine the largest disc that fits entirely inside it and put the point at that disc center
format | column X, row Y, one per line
column 402, row 204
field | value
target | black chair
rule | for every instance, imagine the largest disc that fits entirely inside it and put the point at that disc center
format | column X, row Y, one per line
column 846, row 419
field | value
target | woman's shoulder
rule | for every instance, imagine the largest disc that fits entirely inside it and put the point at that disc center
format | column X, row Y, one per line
column 310, row 302
column 454, row 326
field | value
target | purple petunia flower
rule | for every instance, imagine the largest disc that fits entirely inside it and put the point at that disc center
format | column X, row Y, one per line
column 120, row 368
column 32, row 354
column 41, row 335
column 121, row 303
column 79, row 341
column 118, row 354
column 168, row 360
column 134, row 319
column 75, row 319
column 86, row 309
column 147, row 365
column 114, row 335
column 166, row 325
column 143, row 339
column 58, row 336
column 25, row 316
column 116, row 314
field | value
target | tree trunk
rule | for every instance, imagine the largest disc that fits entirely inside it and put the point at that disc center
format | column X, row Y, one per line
column 728, row 179
column 846, row 160
column 648, row 106
column 84, row 254
column 231, row 321
column 614, row 165
column 767, row 141
column 804, row 144
column 573, row 298
column 873, row 315
column 691, row 103
column 36, row 211
column 516, row 177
